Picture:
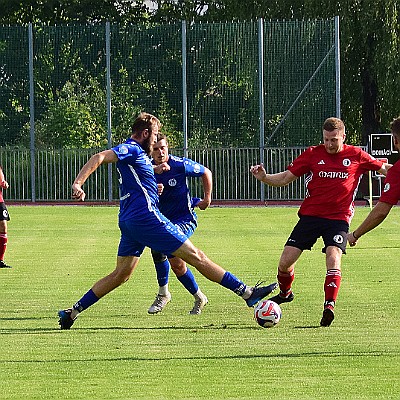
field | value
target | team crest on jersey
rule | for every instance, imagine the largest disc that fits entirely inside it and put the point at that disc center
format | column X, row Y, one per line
column 338, row 239
column 172, row 182
column 387, row 187
column 123, row 150
column 346, row 162
column 196, row 168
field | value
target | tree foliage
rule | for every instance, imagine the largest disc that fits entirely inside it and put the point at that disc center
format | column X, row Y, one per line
column 370, row 49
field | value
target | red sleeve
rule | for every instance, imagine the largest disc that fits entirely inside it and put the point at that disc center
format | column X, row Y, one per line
column 369, row 162
column 301, row 165
column 391, row 190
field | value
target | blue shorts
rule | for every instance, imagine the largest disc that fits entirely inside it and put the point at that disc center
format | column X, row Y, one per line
column 186, row 226
column 308, row 229
column 154, row 231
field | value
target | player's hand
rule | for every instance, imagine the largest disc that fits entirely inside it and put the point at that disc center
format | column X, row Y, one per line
column 78, row 193
column 351, row 239
column 160, row 188
column 203, row 204
column 160, row 168
column 258, row 171
column 4, row 185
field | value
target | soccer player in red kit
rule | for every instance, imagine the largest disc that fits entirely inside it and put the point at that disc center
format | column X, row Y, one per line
column 332, row 173
column 390, row 196
column 4, row 217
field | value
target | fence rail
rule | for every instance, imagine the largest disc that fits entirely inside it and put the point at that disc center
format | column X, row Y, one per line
column 55, row 171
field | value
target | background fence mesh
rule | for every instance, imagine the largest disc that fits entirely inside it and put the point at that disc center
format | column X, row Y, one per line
column 222, row 92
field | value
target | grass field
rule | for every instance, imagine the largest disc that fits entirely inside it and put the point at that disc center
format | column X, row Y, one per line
column 116, row 350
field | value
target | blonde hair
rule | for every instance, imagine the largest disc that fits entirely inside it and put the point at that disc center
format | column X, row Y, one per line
column 145, row 121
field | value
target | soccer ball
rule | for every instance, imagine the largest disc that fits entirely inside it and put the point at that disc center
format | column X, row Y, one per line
column 267, row 313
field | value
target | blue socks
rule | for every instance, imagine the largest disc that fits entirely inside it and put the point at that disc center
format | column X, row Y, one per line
column 230, row 282
column 162, row 270
column 86, row 301
column 188, row 280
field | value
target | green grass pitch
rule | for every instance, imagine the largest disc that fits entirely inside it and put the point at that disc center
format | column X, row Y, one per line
column 116, row 350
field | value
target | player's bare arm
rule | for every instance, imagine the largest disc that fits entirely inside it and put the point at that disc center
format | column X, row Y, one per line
column 207, row 189
column 277, row 180
column 104, row 157
column 374, row 218
column 3, row 182
column 385, row 168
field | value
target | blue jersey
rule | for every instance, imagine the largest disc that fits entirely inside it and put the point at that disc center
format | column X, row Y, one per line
column 175, row 201
column 138, row 187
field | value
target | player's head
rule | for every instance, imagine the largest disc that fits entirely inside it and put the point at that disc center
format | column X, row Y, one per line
column 160, row 149
column 145, row 129
column 395, row 129
column 334, row 135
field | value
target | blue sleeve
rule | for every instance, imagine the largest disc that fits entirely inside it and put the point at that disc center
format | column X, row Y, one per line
column 124, row 151
column 193, row 168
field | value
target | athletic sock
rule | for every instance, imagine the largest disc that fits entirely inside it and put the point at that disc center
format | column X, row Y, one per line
column 189, row 282
column 162, row 270
column 163, row 290
column 3, row 245
column 285, row 280
column 87, row 300
column 230, row 282
column 333, row 279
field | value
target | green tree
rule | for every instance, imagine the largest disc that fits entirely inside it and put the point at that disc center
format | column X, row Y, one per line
column 370, row 51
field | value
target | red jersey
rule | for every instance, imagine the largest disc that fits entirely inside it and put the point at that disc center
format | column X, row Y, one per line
column 332, row 180
column 391, row 191
column 1, row 196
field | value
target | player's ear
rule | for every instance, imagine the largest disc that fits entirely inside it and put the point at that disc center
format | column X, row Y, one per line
column 145, row 133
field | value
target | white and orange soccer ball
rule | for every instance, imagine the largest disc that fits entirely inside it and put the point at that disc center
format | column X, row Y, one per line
column 267, row 313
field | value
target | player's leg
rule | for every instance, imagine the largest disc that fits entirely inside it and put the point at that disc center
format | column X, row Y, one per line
column 303, row 237
column 212, row 271
column 163, row 296
column 4, row 217
column 186, row 277
column 129, row 252
column 333, row 279
column 285, row 274
column 335, row 240
column 122, row 272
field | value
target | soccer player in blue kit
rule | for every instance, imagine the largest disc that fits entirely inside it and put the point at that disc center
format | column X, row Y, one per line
column 177, row 205
column 142, row 224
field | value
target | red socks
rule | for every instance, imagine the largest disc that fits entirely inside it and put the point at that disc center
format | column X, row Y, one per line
column 3, row 245
column 285, row 280
column 331, row 287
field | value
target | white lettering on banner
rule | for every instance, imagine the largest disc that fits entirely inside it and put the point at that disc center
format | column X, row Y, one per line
column 381, row 152
column 333, row 175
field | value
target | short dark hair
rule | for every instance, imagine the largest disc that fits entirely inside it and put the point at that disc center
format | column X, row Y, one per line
column 395, row 127
column 332, row 124
column 145, row 121
column 162, row 136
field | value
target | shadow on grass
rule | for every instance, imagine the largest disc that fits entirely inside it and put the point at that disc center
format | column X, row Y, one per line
column 332, row 354
column 6, row 331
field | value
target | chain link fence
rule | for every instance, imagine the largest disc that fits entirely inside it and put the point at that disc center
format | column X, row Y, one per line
column 228, row 94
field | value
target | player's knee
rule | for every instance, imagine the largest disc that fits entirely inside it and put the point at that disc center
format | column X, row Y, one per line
column 179, row 268
column 158, row 257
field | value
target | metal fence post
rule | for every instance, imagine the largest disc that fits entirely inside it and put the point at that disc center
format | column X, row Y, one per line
column 109, row 125
column 261, row 95
column 184, row 91
column 32, row 114
column 337, row 64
